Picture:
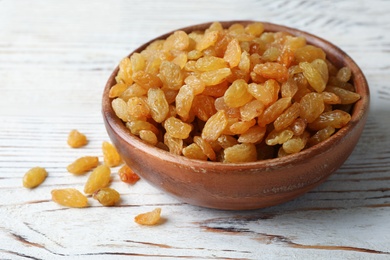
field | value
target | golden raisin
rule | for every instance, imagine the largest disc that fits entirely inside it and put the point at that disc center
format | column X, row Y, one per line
column 344, row 74
column 137, row 108
column 83, row 164
column 279, row 137
column 321, row 135
column 126, row 174
column 296, row 143
column 237, row 94
column 110, row 155
column 274, row 111
column 313, row 76
column 203, row 107
column 175, row 145
column 233, row 53
column 272, row 70
column 214, row 126
column 214, row 77
column 195, row 83
column 137, row 126
column 158, row 104
column 177, row 128
column 287, row 117
column 199, row 93
column 206, row 148
column 149, row 218
column 193, row 151
column 346, row 96
column 117, row 90
column 146, row 80
column 253, row 135
column 208, row 63
column 311, row 106
column 184, row 101
column 240, row 153
column 309, row 53
column 170, row 75
column 106, row 196
column 335, row 118
column 76, row 139
column 251, row 110
column 34, row 177
column 148, row 136
column 99, row 178
column 178, row 40
column 69, row 197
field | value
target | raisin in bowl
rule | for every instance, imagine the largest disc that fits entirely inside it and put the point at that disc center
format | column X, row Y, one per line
column 236, row 115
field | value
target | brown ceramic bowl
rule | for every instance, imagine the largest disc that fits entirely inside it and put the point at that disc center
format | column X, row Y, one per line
column 244, row 185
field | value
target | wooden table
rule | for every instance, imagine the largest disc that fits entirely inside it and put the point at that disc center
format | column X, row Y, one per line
column 55, row 58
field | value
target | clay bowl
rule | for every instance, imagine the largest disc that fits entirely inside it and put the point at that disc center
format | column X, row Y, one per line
column 245, row 185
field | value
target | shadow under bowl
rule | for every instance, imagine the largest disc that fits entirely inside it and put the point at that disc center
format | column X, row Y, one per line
column 242, row 186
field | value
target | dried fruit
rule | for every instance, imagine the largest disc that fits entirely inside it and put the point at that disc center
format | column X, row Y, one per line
column 279, row 137
column 272, row 70
column 111, row 156
column 126, row 174
column 197, row 94
column 335, row 118
column 146, row 80
column 313, row 76
column 233, row 53
column 107, row 196
column 83, row 164
column 148, row 136
column 251, row 110
column 240, row 153
column 177, row 128
column 149, row 218
column 214, row 77
column 184, row 101
column 206, row 148
column 120, row 108
column 203, row 107
column 178, row 41
column 261, row 93
column 34, row 177
column 69, row 197
column 344, row 74
column 311, row 106
column 76, row 139
column 158, row 104
column 274, row 111
column 346, row 96
column 253, row 135
column 175, row 145
column 195, row 83
column 237, row 94
column 170, row 75
column 321, row 135
column 208, row 63
column 137, row 126
column 309, row 53
column 296, row 143
column 137, row 108
column 214, row 126
column 99, row 178
column 193, row 151
column 287, row 117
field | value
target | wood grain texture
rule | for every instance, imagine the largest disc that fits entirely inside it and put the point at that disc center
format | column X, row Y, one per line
column 55, row 58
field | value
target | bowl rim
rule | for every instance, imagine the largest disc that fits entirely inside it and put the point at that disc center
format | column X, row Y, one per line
column 358, row 113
